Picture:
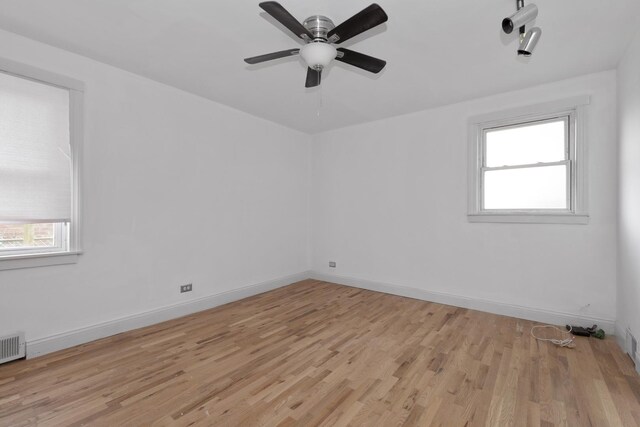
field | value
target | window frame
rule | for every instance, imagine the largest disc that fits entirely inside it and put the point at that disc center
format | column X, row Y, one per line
column 574, row 111
column 69, row 254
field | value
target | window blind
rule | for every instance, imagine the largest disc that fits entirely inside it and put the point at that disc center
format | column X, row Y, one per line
column 35, row 151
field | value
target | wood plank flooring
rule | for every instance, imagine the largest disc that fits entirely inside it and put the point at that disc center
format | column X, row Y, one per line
column 316, row 353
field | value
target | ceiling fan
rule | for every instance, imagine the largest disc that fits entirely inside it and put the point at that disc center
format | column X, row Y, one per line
column 320, row 34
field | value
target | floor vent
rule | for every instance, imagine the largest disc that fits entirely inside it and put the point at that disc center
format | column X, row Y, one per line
column 632, row 347
column 12, row 347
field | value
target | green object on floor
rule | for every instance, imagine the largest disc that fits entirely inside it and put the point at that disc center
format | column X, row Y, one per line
column 599, row 334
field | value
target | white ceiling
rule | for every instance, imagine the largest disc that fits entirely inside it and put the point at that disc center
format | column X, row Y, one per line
column 437, row 51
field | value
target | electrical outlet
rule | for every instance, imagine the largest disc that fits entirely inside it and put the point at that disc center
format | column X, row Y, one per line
column 332, row 264
column 186, row 288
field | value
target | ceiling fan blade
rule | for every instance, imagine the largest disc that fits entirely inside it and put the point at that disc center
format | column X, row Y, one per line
column 313, row 77
column 362, row 21
column 269, row 56
column 360, row 60
column 276, row 10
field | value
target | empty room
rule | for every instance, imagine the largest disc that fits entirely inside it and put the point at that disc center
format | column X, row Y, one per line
column 319, row 213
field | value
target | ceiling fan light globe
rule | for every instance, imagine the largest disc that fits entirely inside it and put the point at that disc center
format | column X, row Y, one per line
column 318, row 55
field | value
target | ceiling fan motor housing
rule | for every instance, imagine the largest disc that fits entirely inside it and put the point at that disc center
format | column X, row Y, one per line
column 319, row 26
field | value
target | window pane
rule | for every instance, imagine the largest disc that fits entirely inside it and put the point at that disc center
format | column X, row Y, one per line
column 524, row 145
column 23, row 236
column 527, row 188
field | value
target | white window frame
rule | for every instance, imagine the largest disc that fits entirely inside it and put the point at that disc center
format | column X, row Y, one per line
column 26, row 258
column 574, row 111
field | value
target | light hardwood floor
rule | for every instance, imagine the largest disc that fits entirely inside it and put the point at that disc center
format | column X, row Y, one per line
column 317, row 353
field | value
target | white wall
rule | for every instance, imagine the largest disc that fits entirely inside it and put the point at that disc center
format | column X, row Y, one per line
column 177, row 189
column 390, row 201
column 629, row 184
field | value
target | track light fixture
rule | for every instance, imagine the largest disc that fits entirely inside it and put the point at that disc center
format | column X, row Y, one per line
column 523, row 16
column 529, row 41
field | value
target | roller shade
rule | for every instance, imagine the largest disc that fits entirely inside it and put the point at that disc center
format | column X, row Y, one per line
column 35, row 151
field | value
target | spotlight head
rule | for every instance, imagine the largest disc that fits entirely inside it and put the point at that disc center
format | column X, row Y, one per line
column 529, row 41
column 520, row 18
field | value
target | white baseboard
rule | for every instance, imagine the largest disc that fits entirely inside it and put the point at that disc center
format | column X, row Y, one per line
column 521, row 312
column 75, row 337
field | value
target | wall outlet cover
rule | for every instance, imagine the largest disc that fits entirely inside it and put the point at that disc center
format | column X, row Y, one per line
column 332, row 264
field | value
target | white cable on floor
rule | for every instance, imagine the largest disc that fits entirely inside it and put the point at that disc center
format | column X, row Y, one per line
column 567, row 342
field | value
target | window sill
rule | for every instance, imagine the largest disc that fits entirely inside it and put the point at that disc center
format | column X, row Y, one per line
column 530, row 218
column 12, row 262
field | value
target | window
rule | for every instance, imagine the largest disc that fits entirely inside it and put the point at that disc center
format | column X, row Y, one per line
column 39, row 148
column 528, row 167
